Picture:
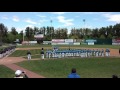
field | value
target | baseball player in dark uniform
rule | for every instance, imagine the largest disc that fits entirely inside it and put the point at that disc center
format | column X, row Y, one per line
column 42, row 53
column 29, row 55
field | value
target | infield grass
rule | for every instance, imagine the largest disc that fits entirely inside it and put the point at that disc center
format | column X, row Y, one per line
column 6, row 72
column 86, row 67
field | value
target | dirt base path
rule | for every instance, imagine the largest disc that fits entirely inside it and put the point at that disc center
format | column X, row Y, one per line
column 9, row 62
column 29, row 73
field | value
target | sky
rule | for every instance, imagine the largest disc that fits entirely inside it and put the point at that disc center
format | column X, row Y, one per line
column 21, row 20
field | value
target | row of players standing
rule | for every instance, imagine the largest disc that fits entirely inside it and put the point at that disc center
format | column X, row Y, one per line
column 77, row 52
column 7, row 51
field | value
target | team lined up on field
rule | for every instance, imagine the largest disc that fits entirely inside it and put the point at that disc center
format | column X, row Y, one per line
column 77, row 52
column 56, row 53
column 7, row 51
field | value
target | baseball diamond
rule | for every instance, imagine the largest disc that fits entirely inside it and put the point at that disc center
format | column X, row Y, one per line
column 9, row 61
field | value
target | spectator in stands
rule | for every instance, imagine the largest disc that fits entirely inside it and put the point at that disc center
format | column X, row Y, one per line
column 20, row 74
column 24, row 74
column 114, row 76
column 42, row 53
column 29, row 55
column 73, row 74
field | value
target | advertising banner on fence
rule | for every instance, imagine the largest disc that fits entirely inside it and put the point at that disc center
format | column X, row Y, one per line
column 33, row 42
column 115, row 41
column 58, row 40
column 68, row 40
column 90, row 43
column 91, row 40
column 60, row 43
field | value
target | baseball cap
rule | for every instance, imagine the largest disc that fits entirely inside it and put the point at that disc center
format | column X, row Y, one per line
column 18, row 72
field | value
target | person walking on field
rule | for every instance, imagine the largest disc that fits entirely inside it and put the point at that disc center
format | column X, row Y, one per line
column 42, row 53
column 29, row 55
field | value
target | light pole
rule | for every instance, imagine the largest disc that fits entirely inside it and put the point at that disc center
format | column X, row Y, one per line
column 23, row 36
column 51, row 29
column 84, row 24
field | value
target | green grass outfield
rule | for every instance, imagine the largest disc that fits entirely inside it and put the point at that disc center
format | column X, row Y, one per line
column 6, row 72
column 86, row 67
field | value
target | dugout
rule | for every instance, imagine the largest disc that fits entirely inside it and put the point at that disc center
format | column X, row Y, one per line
column 103, row 42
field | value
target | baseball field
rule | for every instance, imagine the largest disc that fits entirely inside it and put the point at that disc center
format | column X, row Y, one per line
column 92, row 67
